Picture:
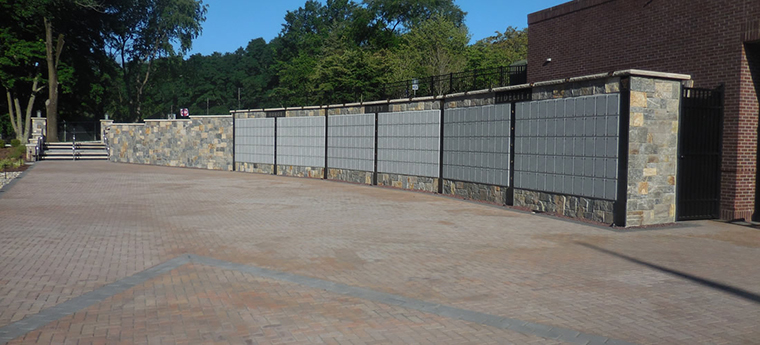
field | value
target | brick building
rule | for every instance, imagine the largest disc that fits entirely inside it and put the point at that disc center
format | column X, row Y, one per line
column 716, row 42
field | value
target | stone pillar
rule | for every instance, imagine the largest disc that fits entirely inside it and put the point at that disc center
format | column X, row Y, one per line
column 104, row 125
column 653, row 151
column 39, row 128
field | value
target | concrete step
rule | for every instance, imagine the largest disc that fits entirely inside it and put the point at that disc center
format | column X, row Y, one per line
column 85, row 150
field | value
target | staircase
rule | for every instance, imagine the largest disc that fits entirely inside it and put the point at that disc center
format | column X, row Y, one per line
column 83, row 150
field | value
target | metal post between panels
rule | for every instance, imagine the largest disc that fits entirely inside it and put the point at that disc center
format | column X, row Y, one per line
column 620, row 205
column 274, row 166
column 509, row 194
column 374, row 168
column 440, row 147
column 327, row 129
column 234, row 136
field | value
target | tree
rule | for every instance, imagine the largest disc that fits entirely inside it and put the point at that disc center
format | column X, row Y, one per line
column 435, row 46
column 145, row 30
column 53, row 59
column 500, row 50
column 20, row 61
column 399, row 16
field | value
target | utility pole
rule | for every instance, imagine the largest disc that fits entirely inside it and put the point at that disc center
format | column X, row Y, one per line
column 238, row 98
column 206, row 105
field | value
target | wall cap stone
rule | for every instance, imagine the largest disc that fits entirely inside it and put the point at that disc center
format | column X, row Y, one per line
column 653, row 74
column 165, row 120
column 621, row 73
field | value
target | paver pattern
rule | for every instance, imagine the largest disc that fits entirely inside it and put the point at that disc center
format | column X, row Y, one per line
column 69, row 228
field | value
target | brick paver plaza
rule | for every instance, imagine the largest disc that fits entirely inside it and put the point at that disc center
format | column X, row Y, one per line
column 98, row 252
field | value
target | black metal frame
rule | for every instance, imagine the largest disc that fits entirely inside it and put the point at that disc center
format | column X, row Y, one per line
column 69, row 129
column 620, row 206
column 440, row 143
column 234, row 142
column 698, row 189
column 274, row 166
column 512, row 97
column 327, row 131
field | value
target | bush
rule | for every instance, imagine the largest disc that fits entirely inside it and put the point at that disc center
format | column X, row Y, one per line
column 18, row 152
column 15, row 143
column 5, row 164
column 2, row 143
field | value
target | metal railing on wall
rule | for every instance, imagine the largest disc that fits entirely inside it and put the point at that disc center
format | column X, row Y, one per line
column 437, row 85
column 477, row 79
column 85, row 130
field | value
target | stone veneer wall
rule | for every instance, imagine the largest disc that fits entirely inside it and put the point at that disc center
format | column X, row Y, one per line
column 570, row 205
column 653, row 151
column 566, row 205
column 201, row 142
column 420, row 183
column 300, row 171
column 254, row 168
column 346, row 175
column 475, row 191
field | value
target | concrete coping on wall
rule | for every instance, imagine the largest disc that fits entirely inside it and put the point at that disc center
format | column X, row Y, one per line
column 621, row 73
column 653, row 74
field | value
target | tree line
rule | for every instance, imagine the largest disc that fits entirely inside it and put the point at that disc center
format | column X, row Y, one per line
column 78, row 60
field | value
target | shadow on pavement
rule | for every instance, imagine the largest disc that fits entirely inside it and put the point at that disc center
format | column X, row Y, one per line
column 750, row 296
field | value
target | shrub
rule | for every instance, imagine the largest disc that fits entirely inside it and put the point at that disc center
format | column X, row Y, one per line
column 15, row 143
column 2, row 143
column 5, row 164
column 18, row 152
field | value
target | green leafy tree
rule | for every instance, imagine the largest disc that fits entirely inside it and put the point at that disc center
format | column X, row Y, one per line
column 142, row 32
column 435, row 46
column 502, row 49
column 20, row 65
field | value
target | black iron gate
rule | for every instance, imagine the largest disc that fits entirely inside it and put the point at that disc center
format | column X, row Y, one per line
column 700, row 153
column 83, row 130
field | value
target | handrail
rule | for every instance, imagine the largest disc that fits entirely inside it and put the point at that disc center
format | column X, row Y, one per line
column 38, row 148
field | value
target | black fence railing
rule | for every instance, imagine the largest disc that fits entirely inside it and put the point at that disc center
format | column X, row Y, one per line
column 83, row 130
column 477, row 79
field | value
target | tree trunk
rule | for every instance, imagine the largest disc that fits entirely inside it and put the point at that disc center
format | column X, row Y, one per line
column 10, row 111
column 29, row 107
column 52, row 57
column 19, row 124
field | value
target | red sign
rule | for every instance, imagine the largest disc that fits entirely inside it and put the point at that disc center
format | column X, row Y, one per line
column 184, row 112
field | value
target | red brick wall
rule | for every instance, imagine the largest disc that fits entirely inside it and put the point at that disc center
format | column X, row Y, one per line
column 749, row 110
column 702, row 38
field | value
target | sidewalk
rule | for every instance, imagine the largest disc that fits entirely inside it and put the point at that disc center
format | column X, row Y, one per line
column 99, row 252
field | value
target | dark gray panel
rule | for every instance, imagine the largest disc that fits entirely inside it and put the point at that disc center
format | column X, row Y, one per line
column 301, row 141
column 568, row 144
column 254, row 141
column 351, row 142
column 477, row 143
column 408, row 143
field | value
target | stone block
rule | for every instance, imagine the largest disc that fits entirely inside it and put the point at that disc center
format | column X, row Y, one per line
column 639, row 99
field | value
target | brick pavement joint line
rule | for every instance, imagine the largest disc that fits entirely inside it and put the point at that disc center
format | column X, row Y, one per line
column 31, row 323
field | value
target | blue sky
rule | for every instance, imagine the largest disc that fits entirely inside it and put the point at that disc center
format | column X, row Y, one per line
column 231, row 24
